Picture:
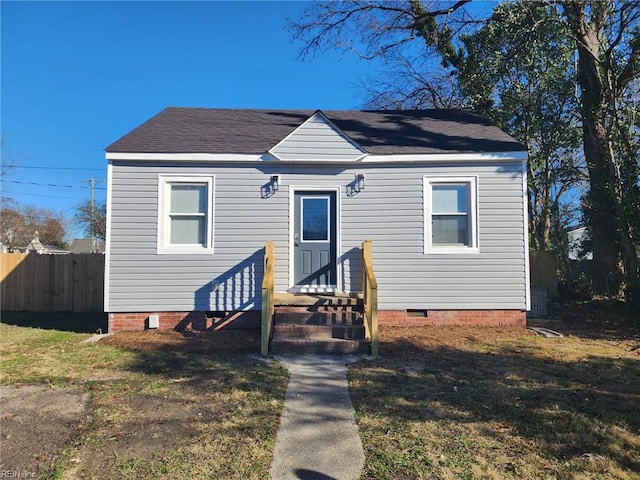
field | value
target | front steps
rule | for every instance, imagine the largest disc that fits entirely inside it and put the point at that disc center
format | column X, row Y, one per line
column 318, row 324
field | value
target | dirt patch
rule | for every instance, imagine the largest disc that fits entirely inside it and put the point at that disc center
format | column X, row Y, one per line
column 37, row 423
column 145, row 426
column 178, row 405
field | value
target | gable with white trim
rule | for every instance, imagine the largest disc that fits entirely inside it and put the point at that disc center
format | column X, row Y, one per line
column 317, row 139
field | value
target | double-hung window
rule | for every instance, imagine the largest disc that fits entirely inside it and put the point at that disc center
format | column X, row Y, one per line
column 185, row 223
column 451, row 222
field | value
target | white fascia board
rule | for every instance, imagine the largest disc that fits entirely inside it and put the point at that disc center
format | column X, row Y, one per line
column 448, row 157
column 189, row 157
column 277, row 158
column 366, row 158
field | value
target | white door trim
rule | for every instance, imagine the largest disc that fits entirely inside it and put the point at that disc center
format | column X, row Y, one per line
column 329, row 288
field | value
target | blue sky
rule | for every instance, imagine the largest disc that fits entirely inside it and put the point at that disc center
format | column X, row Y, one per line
column 78, row 75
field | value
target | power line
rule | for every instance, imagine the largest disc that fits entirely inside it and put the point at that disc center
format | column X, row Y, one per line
column 51, row 184
column 10, row 194
column 58, row 168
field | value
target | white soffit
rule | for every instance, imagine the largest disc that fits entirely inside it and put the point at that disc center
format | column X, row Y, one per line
column 317, row 139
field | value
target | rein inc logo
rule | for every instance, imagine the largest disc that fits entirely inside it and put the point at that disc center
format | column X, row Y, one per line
column 17, row 474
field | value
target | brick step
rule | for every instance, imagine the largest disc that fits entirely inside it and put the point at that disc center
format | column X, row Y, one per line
column 317, row 347
column 292, row 332
column 303, row 317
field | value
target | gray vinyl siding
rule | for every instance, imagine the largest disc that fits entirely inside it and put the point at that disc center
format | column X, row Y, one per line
column 317, row 139
column 389, row 211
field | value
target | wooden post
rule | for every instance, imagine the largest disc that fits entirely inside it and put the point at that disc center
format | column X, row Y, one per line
column 267, row 297
column 370, row 294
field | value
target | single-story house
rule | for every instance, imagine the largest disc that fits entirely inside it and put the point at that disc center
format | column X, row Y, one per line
column 194, row 194
column 576, row 238
column 86, row 245
column 36, row 246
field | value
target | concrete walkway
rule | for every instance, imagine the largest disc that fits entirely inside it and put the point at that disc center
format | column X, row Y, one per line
column 318, row 436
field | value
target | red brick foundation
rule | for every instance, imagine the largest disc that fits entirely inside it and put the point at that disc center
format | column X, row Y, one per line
column 135, row 321
column 478, row 318
column 132, row 321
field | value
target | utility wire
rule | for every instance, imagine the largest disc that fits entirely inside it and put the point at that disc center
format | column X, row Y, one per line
column 57, row 168
column 51, row 184
column 11, row 194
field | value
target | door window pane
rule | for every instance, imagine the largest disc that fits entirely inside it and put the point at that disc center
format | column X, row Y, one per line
column 315, row 219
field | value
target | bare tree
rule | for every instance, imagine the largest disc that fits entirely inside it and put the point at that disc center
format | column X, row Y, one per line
column 93, row 219
column 390, row 30
column 14, row 232
column 18, row 227
column 6, row 166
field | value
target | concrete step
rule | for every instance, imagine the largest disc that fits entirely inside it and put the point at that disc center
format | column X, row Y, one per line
column 318, row 347
column 290, row 331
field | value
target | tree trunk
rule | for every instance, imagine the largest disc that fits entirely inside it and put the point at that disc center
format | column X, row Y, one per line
column 607, row 272
column 546, row 207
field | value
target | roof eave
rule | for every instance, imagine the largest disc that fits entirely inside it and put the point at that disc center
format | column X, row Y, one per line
column 518, row 155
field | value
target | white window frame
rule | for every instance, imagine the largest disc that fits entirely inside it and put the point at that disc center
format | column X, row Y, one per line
column 429, row 247
column 165, row 182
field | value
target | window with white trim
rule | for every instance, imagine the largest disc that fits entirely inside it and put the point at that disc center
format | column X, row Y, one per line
column 185, row 214
column 451, row 222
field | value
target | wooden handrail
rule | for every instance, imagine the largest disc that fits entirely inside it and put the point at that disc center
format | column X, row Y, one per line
column 370, row 297
column 267, row 297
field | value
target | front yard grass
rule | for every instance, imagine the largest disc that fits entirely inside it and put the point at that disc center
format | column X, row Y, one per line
column 496, row 403
column 158, row 404
column 439, row 403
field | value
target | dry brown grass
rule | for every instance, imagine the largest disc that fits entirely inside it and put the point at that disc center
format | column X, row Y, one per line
column 453, row 402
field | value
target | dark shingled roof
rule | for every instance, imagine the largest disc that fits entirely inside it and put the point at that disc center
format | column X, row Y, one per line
column 210, row 130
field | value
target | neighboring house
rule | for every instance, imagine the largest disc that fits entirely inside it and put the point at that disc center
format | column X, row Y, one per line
column 83, row 245
column 193, row 194
column 36, row 246
column 577, row 237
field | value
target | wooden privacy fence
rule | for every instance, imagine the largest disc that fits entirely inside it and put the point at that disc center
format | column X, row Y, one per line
column 52, row 283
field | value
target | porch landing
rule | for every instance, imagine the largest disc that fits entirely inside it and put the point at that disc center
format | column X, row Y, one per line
column 285, row 299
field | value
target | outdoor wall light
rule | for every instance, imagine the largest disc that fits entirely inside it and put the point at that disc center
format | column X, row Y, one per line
column 275, row 182
column 359, row 181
